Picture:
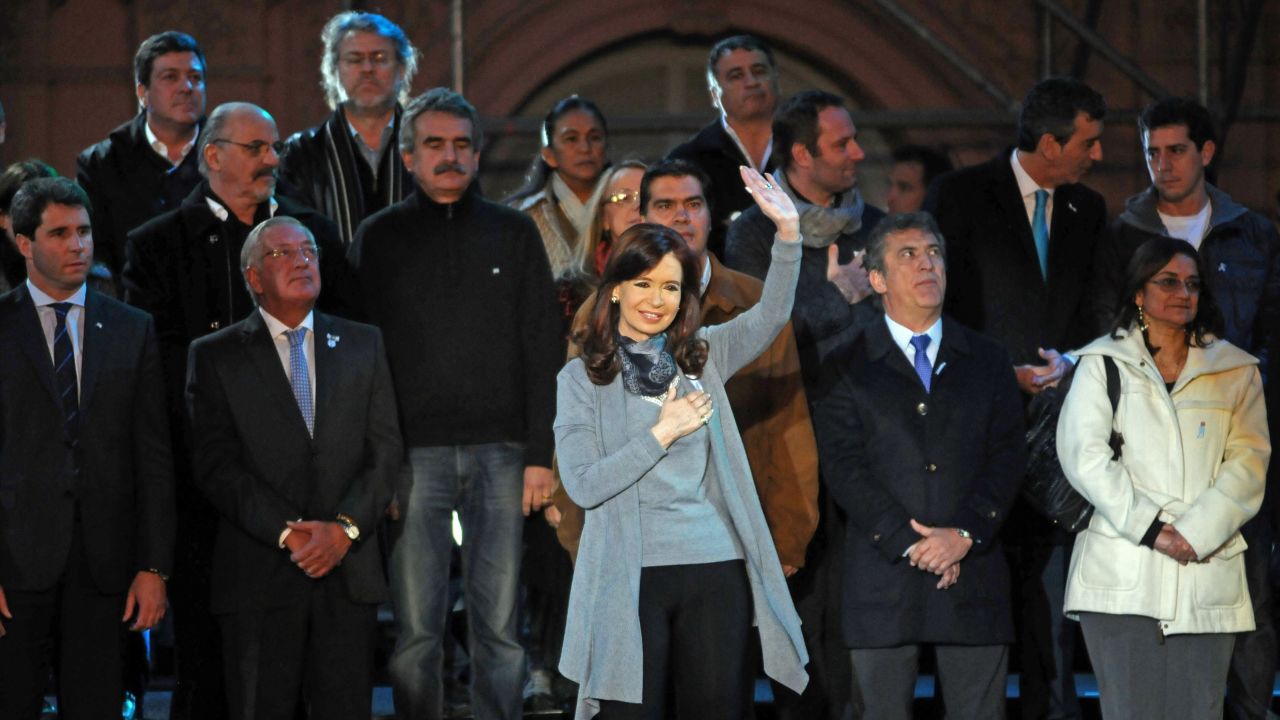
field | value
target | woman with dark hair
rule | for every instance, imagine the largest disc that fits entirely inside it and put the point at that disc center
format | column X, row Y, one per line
column 675, row 558
column 1157, row 580
column 562, row 192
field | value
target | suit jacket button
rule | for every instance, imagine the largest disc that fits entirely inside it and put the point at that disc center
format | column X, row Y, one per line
column 875, row 537
column 215, row 325
column 991, row 514
column 931, row 468
column 922, row 409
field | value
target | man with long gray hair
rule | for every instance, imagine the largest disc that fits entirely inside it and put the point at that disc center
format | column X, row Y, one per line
column 347, row 167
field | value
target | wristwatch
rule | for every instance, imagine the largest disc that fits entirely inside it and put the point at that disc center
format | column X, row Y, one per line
column 349, row 527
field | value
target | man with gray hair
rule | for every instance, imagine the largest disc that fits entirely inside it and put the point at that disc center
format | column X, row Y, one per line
column 462, row 290
column 920, row 437
column 182, row 268
column 347, row 167
column 145, row 167
column 296, row 445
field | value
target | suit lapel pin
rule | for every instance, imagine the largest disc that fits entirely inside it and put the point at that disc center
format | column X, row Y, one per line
column 1222, row 267
column 213, row 239
column 331, row 339
column 1073, row 207
column 98, row 325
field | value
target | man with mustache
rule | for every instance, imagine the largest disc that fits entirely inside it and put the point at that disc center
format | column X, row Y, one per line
column 920, row 437
column 182, row 267
column 145, row 167
column 1242, row 249
column 462, row 290
column 742, row 79
column 348, row 167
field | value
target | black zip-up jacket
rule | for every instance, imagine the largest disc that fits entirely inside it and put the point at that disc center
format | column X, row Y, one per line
column 464, row 297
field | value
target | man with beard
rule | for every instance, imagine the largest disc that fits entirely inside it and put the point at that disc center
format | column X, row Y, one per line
column 182, row 267
column 462, row 291
column 145, row 167
column 742, row 79
column 819, row 153
column 347, row 167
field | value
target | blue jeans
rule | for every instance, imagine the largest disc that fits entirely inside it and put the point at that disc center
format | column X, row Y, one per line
column 484, row 483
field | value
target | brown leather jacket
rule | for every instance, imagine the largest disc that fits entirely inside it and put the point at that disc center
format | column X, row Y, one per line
column 773, row 418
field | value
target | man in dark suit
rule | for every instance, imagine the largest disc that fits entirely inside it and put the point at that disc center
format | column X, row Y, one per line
column 86, row 484
column 292, row 417
column 1021, row 234
column 926, row 464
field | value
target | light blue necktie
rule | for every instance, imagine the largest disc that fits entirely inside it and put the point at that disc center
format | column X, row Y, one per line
column 299, row 377
column 1040, row 230
column 923, row 368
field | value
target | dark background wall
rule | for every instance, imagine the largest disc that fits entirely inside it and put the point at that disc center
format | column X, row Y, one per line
column 65, row 69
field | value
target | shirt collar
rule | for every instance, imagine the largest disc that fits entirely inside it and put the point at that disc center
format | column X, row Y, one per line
column 1026, row 186
column 902, row 335
column 163, row 150
column 705, row 280
column 768, row 149
column 42, row 299
column 276, row 328
column 220, row 211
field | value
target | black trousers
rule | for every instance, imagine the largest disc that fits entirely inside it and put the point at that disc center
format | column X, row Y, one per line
column 695, row 621
column 319, row 651
column 79, row 629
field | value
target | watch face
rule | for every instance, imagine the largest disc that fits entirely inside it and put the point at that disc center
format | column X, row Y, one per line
column 352, row 532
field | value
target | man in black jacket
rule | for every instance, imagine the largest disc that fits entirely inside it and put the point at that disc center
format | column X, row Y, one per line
column 921, row 442
column 1242, row 250
column 145, row 167
column 743, row 81
column 462, row 291
column 184, row 268
column 347, row 167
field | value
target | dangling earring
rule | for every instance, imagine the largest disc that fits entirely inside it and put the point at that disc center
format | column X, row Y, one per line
column 1142, row 320
column 614, row 299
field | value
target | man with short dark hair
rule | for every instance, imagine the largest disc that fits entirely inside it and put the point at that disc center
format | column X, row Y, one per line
column 181, row 268
column 295, row 443
column 926, row 464
column 348, row 167
column 462, row 291
column 1242, row 250
column 86, row 476
column 1021, row 234
column 742, row 79
column 914, row 168
column 145, row 167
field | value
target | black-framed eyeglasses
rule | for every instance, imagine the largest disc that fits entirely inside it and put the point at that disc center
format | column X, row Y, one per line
column 254, row 148
column 310, row 253
column 1171, row 284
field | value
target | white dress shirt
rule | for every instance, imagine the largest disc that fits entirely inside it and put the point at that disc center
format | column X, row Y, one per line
column 1027, row 188
column 49, row 321
column 902, row 335
column 163, row 150
column 277, row 330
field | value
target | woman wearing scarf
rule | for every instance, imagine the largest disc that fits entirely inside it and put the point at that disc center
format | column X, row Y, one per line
column 562, row 192
column 675, row 560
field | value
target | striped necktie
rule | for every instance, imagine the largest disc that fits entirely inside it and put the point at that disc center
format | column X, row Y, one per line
column 64, row 373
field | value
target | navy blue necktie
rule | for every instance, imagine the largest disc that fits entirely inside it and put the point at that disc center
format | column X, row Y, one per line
column 923, row 368
column 64, row 372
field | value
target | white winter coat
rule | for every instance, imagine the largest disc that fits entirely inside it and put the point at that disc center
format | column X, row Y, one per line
column 1197, row 457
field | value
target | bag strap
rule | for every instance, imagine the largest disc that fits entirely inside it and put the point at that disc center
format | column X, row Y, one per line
column 1116, row 440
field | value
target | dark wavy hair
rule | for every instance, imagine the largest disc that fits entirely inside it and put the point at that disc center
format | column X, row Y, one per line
column 539, row 171
column 1148, row 260
column 638, row 250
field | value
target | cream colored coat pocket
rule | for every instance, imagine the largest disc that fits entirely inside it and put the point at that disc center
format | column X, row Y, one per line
column 1108, row 562
column 1219, row 583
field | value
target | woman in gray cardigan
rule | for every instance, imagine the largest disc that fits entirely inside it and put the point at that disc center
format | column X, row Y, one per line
column 676, row 561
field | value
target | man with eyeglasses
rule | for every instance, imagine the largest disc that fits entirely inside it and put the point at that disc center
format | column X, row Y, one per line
column 145, row 167
column 742, row 79
column 1242, row 251
column 295, row 443
column 347, row 167
column 182, row 267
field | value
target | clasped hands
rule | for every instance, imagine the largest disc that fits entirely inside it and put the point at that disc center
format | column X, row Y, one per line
column 316, row 546
column 939, row 551
column 1171, row 543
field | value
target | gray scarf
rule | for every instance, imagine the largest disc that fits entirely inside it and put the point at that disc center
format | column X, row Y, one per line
column 821, row 226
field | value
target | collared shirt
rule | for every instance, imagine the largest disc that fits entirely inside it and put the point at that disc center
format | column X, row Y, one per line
column 705, row 280
column 277, row 330
column 768, row 149
column 49, row 320
column 902, row 338
column 371, row 155
column 220, row 211
column 1027, row 188
column 163, row 150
